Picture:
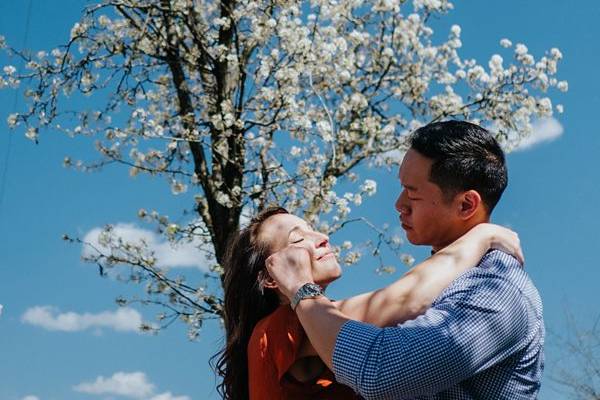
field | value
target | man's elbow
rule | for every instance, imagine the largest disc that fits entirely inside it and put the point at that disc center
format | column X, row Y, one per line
column 381, row 388
column 373, row 391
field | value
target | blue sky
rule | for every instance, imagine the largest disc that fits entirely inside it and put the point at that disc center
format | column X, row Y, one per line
column 551, row 201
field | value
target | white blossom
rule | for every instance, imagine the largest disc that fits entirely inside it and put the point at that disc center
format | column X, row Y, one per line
column 369, row 187
column 9, row 70
column 78, row 29
column 455, row 29
column 295, row 151
column 178, row 187
column 32, row 133
column 407, row 259
column 12, row 120
column 521, row 49
column 556, row 54
column 563, row 86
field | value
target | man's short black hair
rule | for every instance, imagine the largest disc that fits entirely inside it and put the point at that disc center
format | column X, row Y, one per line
column 465, row 157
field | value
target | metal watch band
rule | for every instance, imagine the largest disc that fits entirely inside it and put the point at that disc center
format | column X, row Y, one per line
column 308, row 290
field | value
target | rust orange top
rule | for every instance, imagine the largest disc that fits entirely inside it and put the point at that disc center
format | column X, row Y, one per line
column 272, row 350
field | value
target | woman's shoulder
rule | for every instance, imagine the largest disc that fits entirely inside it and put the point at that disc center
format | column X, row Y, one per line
column 272, row 349
column 279, row 330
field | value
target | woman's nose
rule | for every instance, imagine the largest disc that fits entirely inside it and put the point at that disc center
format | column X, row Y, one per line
column 321, row 240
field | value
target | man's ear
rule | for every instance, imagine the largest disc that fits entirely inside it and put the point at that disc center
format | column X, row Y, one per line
column 470, row 202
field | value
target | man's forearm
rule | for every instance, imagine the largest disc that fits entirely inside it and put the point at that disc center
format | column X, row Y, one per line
column 322, row 322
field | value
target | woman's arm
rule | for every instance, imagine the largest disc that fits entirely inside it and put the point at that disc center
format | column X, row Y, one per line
column 412, row 294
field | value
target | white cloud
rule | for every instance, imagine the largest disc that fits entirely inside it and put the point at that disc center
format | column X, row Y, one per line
column 544, row 130
column 128, row 384
column 30, row 397
column 48, row 317
column 181, row 255
column 132, row 384
column 1, row 309
column 169, row 396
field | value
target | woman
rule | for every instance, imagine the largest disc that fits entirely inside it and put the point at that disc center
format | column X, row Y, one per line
column 266, row 355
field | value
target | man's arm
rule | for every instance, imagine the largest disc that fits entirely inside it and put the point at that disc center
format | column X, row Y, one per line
column 472, row 330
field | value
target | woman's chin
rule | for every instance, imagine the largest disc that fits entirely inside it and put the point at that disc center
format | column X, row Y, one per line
column 329, row 276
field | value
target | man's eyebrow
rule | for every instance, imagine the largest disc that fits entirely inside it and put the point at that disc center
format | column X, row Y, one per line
column 409, row 187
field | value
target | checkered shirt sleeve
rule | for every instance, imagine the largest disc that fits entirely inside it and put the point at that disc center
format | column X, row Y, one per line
column 480, row 320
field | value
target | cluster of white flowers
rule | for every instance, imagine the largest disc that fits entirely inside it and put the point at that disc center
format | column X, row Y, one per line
column 12, row 120
column 178, row 187
column 369, row 187
column 32, row 133
column 251, row 108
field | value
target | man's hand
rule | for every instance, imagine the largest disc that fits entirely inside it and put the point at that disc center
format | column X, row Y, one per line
column 291, row 268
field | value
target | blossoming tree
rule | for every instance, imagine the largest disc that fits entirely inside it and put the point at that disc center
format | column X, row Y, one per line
column 251, row 102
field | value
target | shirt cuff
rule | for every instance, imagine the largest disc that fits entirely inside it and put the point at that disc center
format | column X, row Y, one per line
column 352, row 348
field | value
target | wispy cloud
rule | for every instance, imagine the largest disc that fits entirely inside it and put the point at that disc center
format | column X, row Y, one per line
column 1, row 309
column 181, row 255
column 134, row 385
column 168, row 396
column 544, row 130
column 30, row 397
column 50, row 318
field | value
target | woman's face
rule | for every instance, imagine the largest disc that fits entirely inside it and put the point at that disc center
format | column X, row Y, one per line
column 281, row 230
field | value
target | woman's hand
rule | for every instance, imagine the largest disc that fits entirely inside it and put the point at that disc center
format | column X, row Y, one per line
column 499, row 238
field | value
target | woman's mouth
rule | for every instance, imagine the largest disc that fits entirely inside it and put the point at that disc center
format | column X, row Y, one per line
column 326, row 255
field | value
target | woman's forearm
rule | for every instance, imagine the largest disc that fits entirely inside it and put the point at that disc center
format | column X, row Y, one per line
column 412, row 294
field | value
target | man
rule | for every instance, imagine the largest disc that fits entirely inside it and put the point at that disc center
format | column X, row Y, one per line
column 483, row 336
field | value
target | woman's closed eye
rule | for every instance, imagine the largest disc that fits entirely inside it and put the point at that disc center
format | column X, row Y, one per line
column 294, row 241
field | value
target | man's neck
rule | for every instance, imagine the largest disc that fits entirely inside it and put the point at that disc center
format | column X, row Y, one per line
column 457, row 233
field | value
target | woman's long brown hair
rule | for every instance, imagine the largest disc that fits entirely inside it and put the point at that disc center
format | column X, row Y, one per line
column 245, row 303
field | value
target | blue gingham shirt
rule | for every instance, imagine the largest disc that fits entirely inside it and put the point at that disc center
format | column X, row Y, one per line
column 482, row 338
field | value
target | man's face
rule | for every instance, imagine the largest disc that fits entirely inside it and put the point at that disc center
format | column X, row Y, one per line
column 426, row 216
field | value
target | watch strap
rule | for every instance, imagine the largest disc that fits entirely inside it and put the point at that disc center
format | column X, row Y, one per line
column 308, row 290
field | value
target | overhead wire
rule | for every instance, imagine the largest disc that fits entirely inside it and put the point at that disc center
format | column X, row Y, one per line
column 3, row 179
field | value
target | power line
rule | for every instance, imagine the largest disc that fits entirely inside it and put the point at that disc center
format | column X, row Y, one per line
column 14, row 109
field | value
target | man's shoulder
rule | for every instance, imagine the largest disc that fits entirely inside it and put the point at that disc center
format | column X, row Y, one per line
column 497, row 259
column 496, row 272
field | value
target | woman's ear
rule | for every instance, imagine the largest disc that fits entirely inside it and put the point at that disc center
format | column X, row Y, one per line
column 265, row 280
column 470, row 202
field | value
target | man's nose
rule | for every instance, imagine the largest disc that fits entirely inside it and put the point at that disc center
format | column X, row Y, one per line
column 402, row 204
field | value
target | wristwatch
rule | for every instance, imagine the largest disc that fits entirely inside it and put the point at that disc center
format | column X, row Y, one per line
column 307, row 291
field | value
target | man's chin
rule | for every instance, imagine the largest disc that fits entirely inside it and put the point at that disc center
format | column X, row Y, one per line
column 412, row 238
column 415, row 240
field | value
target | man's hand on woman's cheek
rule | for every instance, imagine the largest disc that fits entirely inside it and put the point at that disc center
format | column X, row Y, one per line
column 291, row 267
